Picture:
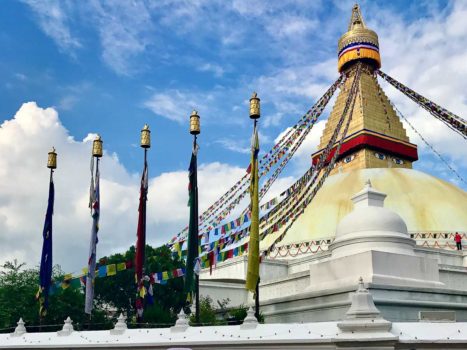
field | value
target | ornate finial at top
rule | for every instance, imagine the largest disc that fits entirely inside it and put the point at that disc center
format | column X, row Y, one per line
column 359, row 42
column 255, row 109
column 52, row 159
column 97, row 147
column 195, row 127
column 356, row 20
column 146, row 137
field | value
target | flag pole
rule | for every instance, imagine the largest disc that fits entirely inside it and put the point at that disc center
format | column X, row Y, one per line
column 94, row 206
column 193, row 232
column 257, row 283
column 45, row 274
column 141, row 230
column 197, row 310
column 253, row 276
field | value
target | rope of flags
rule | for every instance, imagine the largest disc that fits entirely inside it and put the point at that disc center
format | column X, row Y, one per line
column 285, row 143
column 455, row 122
column 219, row 253
column 110, row 270
column 314, row 113
column 216, row 246
column 292, row 214
column 245, row 218
column 300, row 131
column 454, row 171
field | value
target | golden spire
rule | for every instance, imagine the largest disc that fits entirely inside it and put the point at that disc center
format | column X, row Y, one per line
column 356, row 20
column 358, row 43
column 376, row 137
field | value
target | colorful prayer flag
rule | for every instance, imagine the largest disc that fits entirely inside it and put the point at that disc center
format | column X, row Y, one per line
column 141, row 239
column 111, row 270
column 45, row 274
column 94, row 204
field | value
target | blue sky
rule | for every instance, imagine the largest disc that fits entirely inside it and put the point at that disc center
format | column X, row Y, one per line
column 208, row 55
column 109, row 67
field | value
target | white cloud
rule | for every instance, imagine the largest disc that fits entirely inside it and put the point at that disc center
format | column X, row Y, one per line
column 67, row 102
column 216, row 69
column 21, row 76
column 234, row 145
column 125, row 29
column 177, row 105
column 24, row 143
column 53, row 18
column 290, row 27
column 429, row 56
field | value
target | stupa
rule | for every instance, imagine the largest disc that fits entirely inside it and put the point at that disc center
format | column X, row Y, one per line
column 376, row 147
column 368, row 211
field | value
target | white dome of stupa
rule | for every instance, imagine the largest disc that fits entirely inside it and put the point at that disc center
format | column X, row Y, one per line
column 369, row 214
column 371, row 226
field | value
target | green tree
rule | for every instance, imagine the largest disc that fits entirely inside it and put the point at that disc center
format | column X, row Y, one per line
column 113, row 294
column 119, row 291
column 18, row 287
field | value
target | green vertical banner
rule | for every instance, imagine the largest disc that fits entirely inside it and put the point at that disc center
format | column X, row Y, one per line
column 192, row 247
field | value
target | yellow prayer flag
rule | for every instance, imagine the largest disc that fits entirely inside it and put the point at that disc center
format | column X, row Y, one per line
column 178, row 249
column 66, row 280
column 121, row 266
column 165, row 276
column 111, row 270
column 253, row 245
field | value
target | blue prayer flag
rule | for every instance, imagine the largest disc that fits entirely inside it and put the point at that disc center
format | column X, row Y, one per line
column 102, row 271
column 45, row 274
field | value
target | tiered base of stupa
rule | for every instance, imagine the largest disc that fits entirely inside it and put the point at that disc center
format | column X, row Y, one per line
column 408, row 282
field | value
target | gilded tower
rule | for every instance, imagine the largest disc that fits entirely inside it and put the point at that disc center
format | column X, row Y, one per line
column 376, row 137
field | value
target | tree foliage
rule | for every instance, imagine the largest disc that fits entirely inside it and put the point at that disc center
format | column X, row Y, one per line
column 113, row 295
column 119, row 292
column 18, row 288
